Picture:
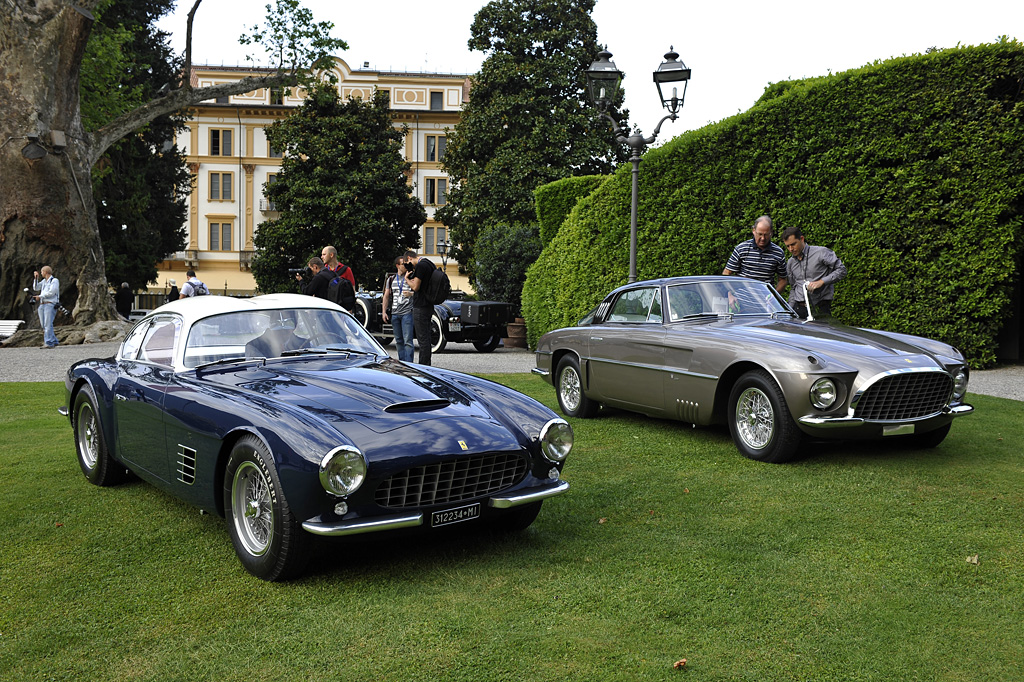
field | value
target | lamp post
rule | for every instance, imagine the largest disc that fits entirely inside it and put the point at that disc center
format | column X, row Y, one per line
column 444, row 248
column 603, row 80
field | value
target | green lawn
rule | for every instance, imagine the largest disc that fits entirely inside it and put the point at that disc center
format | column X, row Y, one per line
column 851, row 564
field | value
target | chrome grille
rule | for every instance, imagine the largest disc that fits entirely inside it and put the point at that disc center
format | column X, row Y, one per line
column 452, row 480
column 903, row 396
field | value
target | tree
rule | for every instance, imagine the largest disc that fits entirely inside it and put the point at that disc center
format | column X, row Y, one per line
column 343, row 183
column 47, row 214
column 498, row 277
column 141, row 183
column 527, row 122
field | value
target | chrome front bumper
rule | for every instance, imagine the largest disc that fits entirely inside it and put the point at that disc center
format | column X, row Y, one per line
column 847, row 422
column 378, row 523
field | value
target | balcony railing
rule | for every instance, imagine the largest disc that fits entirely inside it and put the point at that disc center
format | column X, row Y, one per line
column 266, row 205
column 245, row 260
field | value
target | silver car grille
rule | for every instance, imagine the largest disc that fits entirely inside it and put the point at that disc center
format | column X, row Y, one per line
column 452, row 480
column 903, row 396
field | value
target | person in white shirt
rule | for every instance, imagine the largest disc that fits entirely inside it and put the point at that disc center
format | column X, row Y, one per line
column 49, row 299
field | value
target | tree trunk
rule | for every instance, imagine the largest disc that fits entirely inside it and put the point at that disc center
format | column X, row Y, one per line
column 47, row 214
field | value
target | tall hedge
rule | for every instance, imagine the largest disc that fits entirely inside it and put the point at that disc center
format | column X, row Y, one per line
column 554, row 200
column 911, row 169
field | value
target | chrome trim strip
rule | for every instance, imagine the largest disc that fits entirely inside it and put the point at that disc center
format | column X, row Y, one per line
column 62, row 411
column 658, row 368
column 838, row 422
column 529, row 495
column 959, row 410
column 541, row 372
column 363, row 525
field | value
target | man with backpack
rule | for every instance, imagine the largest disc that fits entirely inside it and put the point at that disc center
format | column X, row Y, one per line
column 319, row 283
column 417, row 276
column 193, row 287
column 343, row 281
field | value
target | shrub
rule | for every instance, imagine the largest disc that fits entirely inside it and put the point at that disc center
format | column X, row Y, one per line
column 554, row 200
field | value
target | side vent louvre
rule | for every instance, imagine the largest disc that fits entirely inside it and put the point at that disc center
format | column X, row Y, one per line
column 186, row 465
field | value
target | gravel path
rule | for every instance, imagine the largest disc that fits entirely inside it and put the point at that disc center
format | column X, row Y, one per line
column 37, row 364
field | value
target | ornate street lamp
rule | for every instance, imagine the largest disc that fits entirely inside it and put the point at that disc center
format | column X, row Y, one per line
column 444, row 248
column 603, row 80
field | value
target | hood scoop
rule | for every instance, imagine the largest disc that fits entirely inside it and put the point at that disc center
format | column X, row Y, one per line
column 417, row 406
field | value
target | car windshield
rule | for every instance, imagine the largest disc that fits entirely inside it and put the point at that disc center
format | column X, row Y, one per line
column 274, row 333
column 735, row 296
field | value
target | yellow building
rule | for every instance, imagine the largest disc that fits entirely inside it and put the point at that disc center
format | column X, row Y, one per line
column 230, row 160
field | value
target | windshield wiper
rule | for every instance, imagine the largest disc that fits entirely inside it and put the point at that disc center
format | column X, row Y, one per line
column 695, row 316
column 231, row 361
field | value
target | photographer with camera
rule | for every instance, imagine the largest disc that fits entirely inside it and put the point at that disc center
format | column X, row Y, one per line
column 417, row 276
column 49, row 300
column 315, row 280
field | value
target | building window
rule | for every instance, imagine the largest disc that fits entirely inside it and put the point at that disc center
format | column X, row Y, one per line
column 222, row 100
column 220, row 236
column 436, row 100
column 437, row 192
column 220, row 186
column 220, row 142
column 276, row 95
column 435, row 148
column 273, row 153
column 431, row 237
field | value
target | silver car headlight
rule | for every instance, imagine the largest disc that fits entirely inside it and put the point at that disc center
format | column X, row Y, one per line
column 823, row 393
column 342, row 470
column 960, row 384
column 556, row 440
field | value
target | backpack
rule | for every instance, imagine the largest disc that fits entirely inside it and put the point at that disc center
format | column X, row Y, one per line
column 340, row 291
column 439, row 288
column 199, row 289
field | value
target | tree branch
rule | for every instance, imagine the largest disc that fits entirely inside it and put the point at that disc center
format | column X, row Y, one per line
column 176, row 100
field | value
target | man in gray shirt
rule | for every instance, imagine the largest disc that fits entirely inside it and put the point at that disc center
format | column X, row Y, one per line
column 818, row 266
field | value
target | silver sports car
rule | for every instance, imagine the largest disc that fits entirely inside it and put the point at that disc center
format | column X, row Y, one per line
column 712, row 350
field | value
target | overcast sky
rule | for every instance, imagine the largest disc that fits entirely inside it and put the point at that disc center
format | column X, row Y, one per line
column 735, row 48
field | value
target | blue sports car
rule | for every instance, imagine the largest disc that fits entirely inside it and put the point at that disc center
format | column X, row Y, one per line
column 284, row 415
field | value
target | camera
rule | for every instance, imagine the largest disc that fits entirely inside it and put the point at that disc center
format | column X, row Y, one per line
column 305, row 272
column 409, row 267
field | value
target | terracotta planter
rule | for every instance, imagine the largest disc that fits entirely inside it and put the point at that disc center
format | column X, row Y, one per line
column 516, row 334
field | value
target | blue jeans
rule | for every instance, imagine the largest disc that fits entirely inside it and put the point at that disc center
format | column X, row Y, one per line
column 47, row 311
column 403, row 328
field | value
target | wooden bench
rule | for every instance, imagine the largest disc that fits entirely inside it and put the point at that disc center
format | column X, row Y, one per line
column 8, row 327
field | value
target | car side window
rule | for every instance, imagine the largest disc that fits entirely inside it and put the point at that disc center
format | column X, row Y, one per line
column 158, row 346
column 684, row 300
column 636, row 305
column 131, row 344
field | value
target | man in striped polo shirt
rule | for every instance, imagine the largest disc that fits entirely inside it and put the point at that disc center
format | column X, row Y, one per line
column 759, row 258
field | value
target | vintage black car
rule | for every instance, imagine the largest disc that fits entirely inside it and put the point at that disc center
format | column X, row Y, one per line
column 482, row 323
column 284, row 415
column 711, row 350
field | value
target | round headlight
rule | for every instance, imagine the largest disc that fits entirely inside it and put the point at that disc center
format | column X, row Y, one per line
column 556, row 440
column 960, row 384
column 342, row 470
column 823, row 393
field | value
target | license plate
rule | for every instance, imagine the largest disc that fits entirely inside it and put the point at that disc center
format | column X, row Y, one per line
column 450, row 516
column 455, row 326
column 898, row 430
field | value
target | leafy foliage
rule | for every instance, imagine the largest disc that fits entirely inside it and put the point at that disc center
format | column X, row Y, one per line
column 141, row 183
column 527, row 122
column 504, row 253
column 342, row 183
column 555, row 199
column 292, row 41
column 912, row 170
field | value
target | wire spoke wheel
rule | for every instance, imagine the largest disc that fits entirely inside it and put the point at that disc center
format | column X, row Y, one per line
column 253, row 508
column 569, row 389
column 755, row 418
column 88, row 443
